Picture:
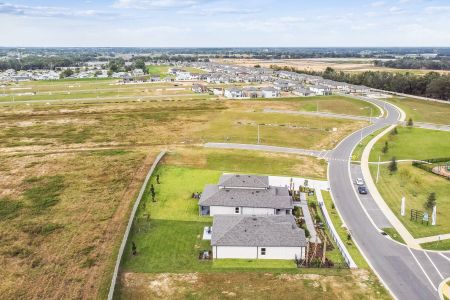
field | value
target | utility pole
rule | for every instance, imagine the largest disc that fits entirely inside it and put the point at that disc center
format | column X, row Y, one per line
column 258, row 135
column 370, row 117
column 360, row 140
column 378, row 169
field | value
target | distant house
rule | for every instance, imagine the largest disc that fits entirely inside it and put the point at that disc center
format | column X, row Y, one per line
column 269, row 92
column 320, row 89
column 218, row 91
column 301, row 91
column 233, row 93
column 199, row 88
column 251, row 92
column 138, row 73
column 257, row 237
column 245, row 195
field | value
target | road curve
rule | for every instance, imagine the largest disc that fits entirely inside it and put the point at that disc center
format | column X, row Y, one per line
column 407, row 273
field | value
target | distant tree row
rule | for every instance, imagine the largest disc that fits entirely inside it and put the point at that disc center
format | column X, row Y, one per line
column 432, row 84
column 415, row 63
column 34, row 62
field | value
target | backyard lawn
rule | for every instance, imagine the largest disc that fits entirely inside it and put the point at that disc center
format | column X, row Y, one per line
column 423, row 111
column 415, row 184
column 413, row 143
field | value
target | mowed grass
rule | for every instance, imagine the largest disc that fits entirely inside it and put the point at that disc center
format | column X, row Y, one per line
column 276, row 129
column 337, row 222
column 253, row 162
column 422, row 110
column 61, row 221
column 339, row 105
column 438, row 245
column 415, row 185
column 413, row 143
column 168, row 245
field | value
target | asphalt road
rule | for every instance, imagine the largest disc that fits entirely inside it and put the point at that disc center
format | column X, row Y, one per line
column 408, row 273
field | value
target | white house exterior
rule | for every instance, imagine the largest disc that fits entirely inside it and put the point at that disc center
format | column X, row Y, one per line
column 233, row 93
column 270, row 92
column 245, row 195
column 257, row 237
column 320, row 90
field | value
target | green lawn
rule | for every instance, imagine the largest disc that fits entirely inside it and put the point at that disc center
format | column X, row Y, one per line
column 254, row 263
column 394, row 234
column 415, row 184
column 423, row 111
column 160, row 70
column 440, row 245
column 413, row 143
column 337, row 222
column 172, row 238
column 276, row 129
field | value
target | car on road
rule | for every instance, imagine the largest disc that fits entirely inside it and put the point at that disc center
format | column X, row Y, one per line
column 359, row 181
column 362, row 190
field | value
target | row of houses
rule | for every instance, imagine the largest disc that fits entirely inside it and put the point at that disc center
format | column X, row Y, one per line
column 252, row 219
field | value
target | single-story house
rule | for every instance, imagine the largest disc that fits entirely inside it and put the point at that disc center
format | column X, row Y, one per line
column 300, row 91
column 199, row 88
column 257, row 237
column 320, row 89
column 245, row 195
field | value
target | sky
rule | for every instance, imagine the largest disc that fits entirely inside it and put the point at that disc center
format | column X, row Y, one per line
column 225, row 23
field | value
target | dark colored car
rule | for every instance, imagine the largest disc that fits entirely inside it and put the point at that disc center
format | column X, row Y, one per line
column 362, row 190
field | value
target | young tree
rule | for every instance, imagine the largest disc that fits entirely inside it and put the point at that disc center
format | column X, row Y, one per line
column 385, row 148
column 157, row 178
column 152, row 192
column 410, row 122
column 393, row 165
column 394, row 131
column 431, row 201
column 133, row 249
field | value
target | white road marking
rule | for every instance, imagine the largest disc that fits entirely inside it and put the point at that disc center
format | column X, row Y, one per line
column 426, row 254
column 423, row 270
column 444, row 256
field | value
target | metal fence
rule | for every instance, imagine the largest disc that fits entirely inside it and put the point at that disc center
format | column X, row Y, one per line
column 130, row 223
column 427, row 165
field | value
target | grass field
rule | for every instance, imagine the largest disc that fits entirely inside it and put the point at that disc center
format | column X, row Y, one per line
column 440, row 245
column 307, row 132
column 413, row 143
column 423, row 111
column 252, row 162
column 61, row 218
column 415, row 184
column 167, row 266
column 343, row 233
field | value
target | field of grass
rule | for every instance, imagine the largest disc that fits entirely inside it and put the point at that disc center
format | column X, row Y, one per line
column 307, row 132
column 439, row 245
column 337, row 222
column 167, row 234
column 359, row 149
column 61, row 219
column 252, row 162
column 415, row 184
column 423, row 111
column 413, row 143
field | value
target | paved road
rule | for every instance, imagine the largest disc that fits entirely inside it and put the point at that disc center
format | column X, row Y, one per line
column 316, row 153
column 408, row 273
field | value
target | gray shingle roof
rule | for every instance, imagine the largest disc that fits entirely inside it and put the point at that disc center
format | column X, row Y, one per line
column 237, row 180
column 252, row 231
column 273, row 197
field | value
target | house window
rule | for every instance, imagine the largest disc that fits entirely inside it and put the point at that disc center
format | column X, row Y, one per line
column 236, row 210
column 263, row 251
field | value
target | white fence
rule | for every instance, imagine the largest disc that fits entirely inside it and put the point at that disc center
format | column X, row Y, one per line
column 348, row 259
column 130, row 223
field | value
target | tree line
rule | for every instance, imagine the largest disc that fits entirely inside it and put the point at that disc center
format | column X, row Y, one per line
column 432, row 84
column 415, row 63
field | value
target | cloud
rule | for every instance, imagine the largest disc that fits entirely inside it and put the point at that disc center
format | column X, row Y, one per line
column 377, row 4
column 212, row 11
column 437, row 9
column 47, row 11
column 154, row 4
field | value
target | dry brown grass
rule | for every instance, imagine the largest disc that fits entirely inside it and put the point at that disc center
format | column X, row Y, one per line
column 345, row 284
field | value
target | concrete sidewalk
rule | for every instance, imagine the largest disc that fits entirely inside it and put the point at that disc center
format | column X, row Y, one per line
column 433, row 238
